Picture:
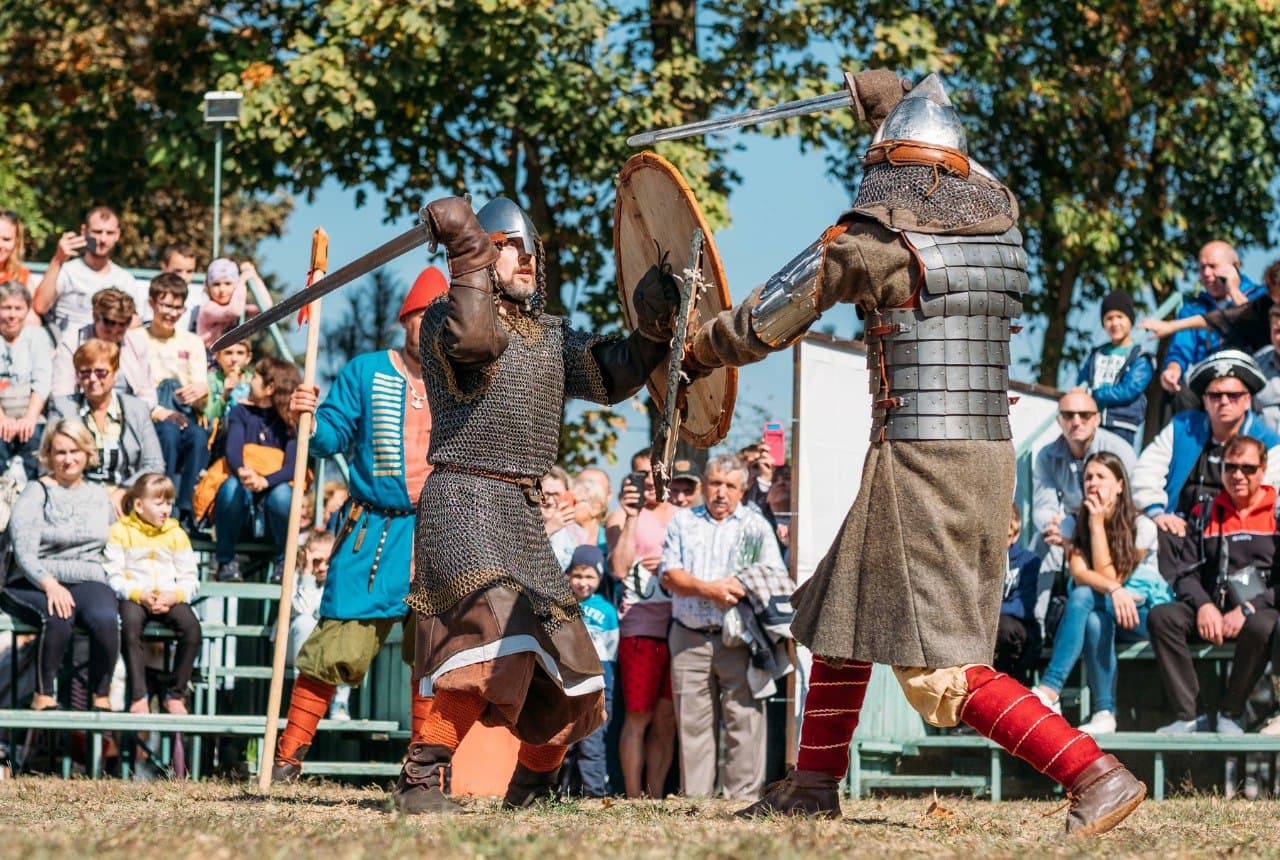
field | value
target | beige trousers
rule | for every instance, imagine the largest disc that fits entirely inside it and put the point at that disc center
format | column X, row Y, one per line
column 709, row 686
column 936, row 694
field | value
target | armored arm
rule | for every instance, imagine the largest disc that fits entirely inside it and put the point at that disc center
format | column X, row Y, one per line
column 472, row 335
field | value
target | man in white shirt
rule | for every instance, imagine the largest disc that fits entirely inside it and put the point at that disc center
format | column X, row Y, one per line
column 80, row 268
column 705, row 548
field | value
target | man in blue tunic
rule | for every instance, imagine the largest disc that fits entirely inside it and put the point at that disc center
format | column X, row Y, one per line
column 377, row 414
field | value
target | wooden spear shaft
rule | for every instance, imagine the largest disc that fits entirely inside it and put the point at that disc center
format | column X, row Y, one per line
column 319, row 265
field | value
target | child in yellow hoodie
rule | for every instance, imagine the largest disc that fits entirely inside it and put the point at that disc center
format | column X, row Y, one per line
column 152, row 569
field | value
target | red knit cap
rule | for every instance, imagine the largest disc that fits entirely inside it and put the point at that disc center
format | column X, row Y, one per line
column 429, row 286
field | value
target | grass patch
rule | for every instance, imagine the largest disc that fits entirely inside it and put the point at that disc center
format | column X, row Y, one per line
column 75, row 818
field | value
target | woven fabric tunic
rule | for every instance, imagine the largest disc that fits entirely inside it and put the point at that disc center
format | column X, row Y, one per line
column 915, row 576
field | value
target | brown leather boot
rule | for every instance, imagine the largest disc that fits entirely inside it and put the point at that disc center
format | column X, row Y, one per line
column 1102, row 796
column 529, row 787
column 808, row 793
column 289, row 769
column 424, row 779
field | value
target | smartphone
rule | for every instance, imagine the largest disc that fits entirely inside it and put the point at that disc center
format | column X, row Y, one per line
column 90, row 245
column 775, row 439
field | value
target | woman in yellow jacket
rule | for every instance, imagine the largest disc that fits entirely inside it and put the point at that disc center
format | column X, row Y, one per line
column 152, row 569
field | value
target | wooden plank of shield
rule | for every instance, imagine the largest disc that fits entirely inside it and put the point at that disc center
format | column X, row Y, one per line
column 656, row 215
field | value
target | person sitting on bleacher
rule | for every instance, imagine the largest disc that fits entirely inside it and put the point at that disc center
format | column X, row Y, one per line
column 1111, row 553
column 152, row 570
column 261, row 440
column 58, row 529
column 1224, row 577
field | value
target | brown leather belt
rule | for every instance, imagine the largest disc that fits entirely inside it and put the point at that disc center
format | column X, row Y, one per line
column 898, row 152
column 531, row 487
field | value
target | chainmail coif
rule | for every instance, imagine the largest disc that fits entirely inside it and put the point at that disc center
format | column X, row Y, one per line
column 935, row 197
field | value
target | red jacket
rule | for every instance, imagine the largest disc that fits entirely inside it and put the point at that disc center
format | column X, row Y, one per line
column 1250, row 537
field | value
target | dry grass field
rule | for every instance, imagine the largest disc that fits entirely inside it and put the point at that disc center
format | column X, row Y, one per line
column 53, row 818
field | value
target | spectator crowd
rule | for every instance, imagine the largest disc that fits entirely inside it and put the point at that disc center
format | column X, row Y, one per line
column 123, row 438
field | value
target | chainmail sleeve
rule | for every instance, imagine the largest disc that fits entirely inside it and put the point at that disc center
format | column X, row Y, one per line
column 583, row 376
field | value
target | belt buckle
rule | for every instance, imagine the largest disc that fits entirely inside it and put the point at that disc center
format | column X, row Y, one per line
column 532, row 489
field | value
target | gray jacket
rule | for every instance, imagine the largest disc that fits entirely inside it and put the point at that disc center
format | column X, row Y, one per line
column 139, row 445
column 1057, row 485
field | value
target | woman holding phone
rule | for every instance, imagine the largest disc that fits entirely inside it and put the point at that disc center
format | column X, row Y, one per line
column 1112, row 559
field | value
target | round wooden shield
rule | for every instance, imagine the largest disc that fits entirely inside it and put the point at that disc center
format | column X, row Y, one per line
column 656, row 213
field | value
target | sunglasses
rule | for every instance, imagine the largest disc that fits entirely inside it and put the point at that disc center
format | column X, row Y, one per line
column 109, row 323
column 1070, row 415
column 96, row 372
column 1224, row 396
column 1247, row 469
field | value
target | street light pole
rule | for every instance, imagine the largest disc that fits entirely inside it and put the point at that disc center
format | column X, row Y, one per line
column 217, row 190
column 220, row 108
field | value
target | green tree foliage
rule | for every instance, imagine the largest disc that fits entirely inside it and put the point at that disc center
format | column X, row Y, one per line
column 101, row 103
column 367, row 322
column 1131, row 131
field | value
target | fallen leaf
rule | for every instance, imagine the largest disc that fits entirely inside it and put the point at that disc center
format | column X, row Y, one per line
column 937, row 810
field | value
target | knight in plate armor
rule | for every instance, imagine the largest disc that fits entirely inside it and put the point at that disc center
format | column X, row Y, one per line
column 931, row 256
column 499, row 636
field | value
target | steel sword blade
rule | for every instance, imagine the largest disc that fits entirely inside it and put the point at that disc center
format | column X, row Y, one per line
column 816, row 104
column 420, row 235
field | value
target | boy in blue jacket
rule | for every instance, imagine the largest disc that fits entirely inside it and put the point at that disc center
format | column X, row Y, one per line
column 1117, row 373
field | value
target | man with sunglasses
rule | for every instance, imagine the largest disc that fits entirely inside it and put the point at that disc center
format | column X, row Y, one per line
column 113, row 315
column 1057, row 478
column 1181, row 470
column 1224, row 579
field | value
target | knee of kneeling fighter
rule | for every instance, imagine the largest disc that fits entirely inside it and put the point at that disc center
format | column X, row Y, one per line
column 936, row 694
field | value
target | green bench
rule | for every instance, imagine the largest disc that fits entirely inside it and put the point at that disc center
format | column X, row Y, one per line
column 879, row 748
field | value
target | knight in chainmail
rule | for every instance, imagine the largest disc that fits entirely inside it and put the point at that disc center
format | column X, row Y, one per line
column 499, row 635
column 931, row 257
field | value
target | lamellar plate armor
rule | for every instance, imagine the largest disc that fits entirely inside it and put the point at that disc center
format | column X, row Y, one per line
column 494, row 429
column 940, row 369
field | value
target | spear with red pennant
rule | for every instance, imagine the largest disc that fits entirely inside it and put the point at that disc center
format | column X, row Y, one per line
column 310, row 315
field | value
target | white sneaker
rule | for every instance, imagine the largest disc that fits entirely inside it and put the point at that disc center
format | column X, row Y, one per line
column 1271, row 728
column 1101, row 723
column 1042, row 694
column 338, row 711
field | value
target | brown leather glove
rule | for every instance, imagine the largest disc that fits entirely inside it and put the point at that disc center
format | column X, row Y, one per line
column 875, row 93
column 455, row 226
column 657, row 300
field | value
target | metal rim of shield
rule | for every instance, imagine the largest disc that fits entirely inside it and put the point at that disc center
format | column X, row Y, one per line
column 655, row 203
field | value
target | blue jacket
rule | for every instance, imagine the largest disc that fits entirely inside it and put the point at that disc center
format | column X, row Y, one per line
column 1123, row 402
column 1188, row 347
column 1166, row 464
column 1020, row 586
column 363, row 417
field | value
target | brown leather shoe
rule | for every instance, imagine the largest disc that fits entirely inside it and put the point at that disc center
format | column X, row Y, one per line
column 529, row 787
column 1102, row 796
column 289, row 769
column 424, row 779
column 800, row 793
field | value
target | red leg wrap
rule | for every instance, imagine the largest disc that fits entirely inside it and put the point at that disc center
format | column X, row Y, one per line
column 307, row 706
column 543, row 758
column 447, row 717
column 831, row 710
column 1003, row 710
column 421, row 710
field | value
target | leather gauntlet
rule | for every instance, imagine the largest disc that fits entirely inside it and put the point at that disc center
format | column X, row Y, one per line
column 472, row 335
column 455, row 226
column 657, row 301
column 875, row 93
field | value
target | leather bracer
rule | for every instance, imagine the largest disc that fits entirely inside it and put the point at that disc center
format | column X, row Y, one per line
column 473, row 335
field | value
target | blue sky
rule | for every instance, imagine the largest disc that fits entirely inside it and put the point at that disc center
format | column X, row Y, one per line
column 785, row 202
